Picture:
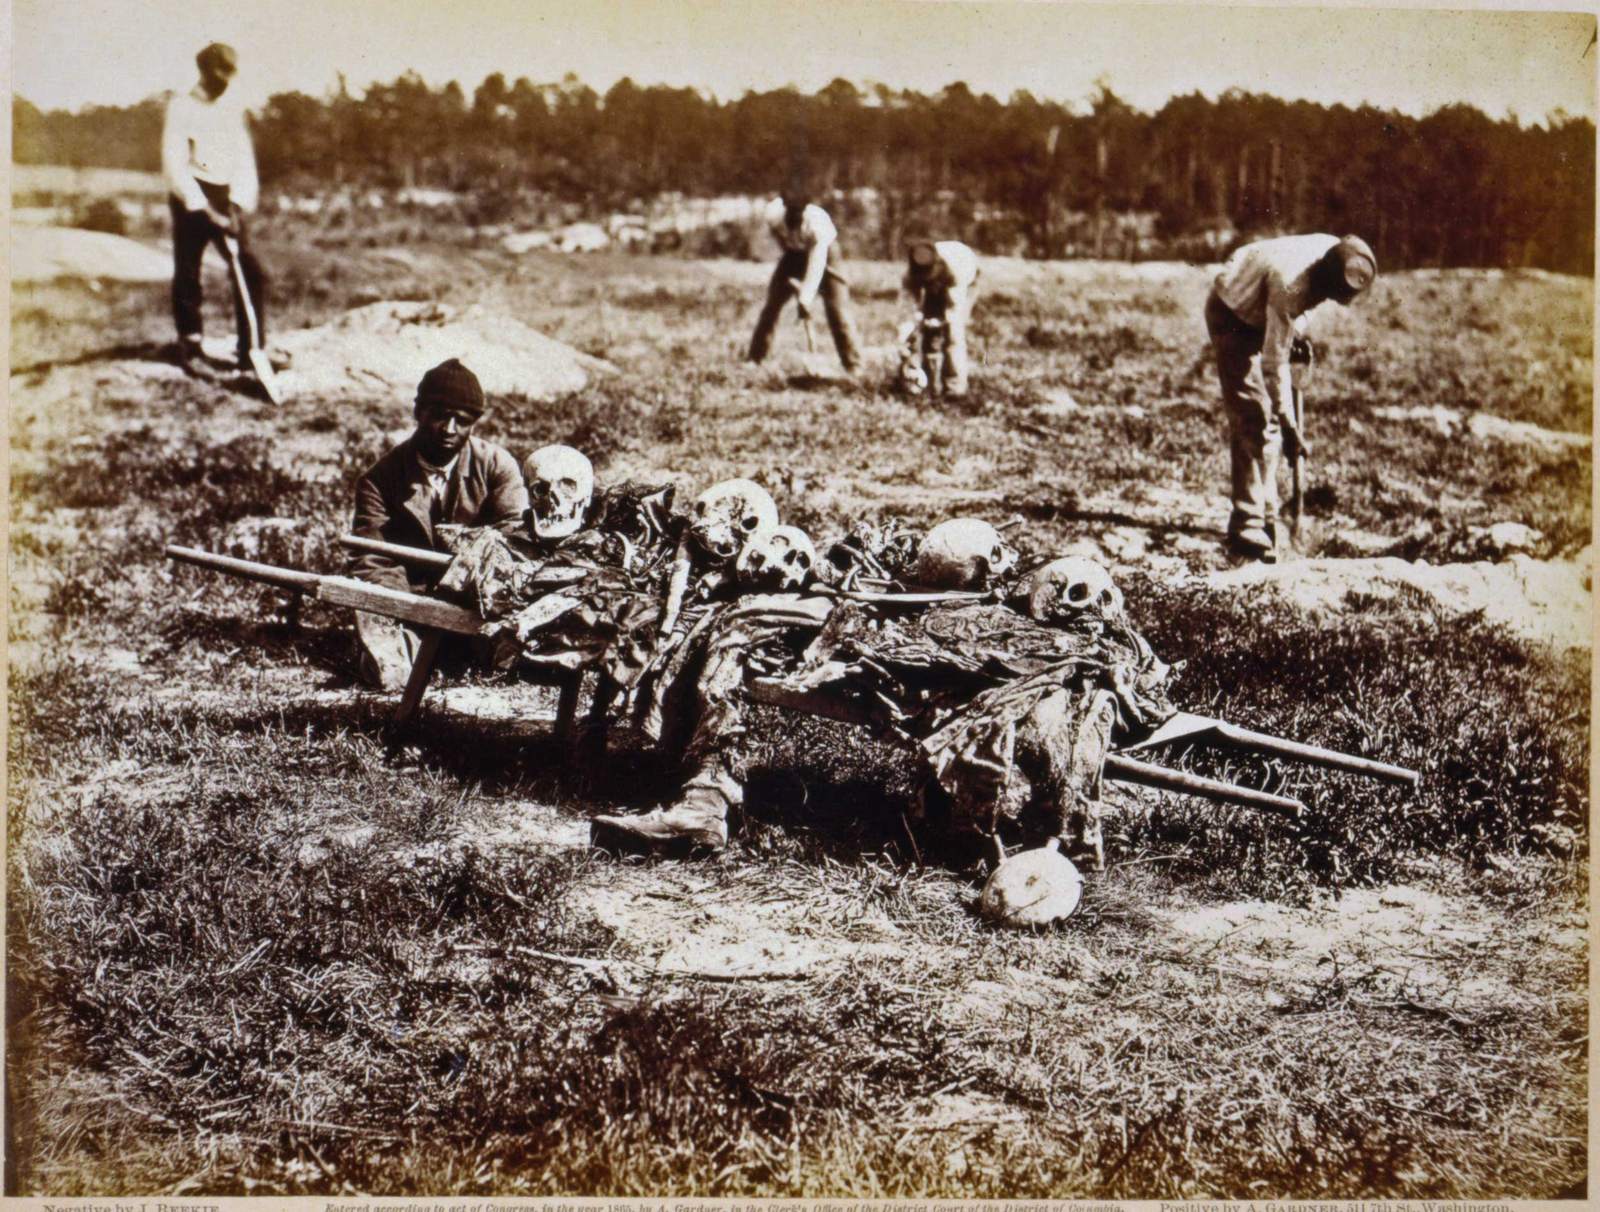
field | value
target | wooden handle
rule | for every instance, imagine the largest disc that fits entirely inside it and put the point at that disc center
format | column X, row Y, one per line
column 250, row 570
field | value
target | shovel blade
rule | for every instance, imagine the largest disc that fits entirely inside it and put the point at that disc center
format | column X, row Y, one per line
column 265, row 375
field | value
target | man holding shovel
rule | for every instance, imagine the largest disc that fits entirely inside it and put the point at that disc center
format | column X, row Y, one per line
column 809, row 266
column 210, row 169
column 1255, row 315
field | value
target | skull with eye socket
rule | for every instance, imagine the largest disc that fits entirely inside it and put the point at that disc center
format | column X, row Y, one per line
column 780, row 560
column 1071, row 591
column 560, row 486
column 728, row 515
column 962, row 553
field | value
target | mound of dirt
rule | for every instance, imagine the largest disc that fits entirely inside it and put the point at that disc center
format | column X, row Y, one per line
column 388, row 346
column 1453, row 423
column 1548, row 601
column 39, row 254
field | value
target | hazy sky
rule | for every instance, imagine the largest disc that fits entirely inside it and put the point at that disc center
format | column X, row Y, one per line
column 71, row 52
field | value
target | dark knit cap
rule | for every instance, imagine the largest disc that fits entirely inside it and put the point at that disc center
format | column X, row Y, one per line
column 452, row 385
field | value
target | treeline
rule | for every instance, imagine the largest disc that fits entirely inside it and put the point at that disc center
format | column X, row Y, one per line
column 1022, row 175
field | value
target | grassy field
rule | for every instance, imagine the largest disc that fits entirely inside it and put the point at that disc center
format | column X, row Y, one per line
column 260, row 941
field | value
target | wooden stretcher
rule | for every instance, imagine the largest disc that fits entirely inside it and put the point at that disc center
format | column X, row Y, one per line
column 432, row 619
column 435, row 619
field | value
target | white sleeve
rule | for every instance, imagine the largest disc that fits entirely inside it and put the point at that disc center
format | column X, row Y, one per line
column 1275, row 345
column 821, row 233
column 960, row 260
column 246, row 189
column 175, row 156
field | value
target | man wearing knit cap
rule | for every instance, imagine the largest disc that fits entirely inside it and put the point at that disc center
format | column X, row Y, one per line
column 1255, row 313
column 439, row 475
column 210, row 169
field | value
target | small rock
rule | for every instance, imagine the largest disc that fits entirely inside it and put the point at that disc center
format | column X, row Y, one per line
column 1505, row 538
column 1400, row 897
column 1057, row 402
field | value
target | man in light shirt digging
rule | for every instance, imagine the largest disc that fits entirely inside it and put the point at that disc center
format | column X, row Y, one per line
column 210, row 168
column 1254, row 314
column 810, row 266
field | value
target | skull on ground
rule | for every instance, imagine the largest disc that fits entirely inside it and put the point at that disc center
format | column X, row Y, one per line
column 727, row 515
column 560, row 487
column 910, row 377
column 780, row 560
column 1073, row 589
column 962, row 553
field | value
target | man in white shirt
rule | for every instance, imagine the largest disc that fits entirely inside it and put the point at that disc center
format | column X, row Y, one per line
column 1254, row 314
column 942, row 277
column 809, row 266
column 210, row 169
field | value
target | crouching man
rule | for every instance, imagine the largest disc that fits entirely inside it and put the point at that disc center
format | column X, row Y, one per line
column 440, row 475
column 942, row 279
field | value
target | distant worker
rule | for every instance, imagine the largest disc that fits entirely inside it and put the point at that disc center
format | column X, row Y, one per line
column 210, row 169
column 439, row 475
column 809, row 266
column 942, row 277
column 1255, row 313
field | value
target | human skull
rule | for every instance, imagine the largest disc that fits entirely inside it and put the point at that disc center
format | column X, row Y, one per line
column 1034, row 888
column 912, row 379
column 779, row 560
column 727, row 515
column 962, row 553
column 1068, row 590
column 560, row 486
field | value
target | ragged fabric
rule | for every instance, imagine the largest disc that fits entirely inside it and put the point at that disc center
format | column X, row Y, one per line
column 590, row 601
column 1011, row 716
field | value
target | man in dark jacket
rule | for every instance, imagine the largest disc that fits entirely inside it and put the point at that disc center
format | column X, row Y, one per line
column 440, row 475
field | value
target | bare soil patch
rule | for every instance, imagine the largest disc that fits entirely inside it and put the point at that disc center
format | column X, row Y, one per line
column 388, row 347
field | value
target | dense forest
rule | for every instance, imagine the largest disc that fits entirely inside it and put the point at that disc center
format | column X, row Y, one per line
column 1022, row 175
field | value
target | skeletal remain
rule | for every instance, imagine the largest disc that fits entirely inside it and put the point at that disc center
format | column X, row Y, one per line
column 727, row 515
column 780, row 560
column 962, row 553
column 560, row 487
column 1069, row 590
column 912, row 378
column 1033, row 888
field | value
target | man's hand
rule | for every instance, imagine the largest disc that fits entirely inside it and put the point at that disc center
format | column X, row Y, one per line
column 226, row 221
column 1295, row 445
column 1302, row 352
column 798, row 289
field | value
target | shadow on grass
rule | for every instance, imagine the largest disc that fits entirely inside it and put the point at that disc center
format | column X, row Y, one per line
column 123, row 351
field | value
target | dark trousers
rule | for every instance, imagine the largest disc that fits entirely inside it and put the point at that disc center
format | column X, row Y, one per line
column 192, row 231
column 1255, row 439
column 834, row 293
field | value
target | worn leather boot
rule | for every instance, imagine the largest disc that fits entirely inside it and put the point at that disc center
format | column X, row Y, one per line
column 1253, row 543
column 697, row 823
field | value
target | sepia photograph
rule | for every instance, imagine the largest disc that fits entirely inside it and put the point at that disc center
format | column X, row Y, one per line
column 859, row 599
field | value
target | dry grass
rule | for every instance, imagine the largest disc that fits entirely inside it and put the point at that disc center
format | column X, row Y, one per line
column 260, row 943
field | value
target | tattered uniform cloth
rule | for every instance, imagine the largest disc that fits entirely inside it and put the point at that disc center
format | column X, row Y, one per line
column 595, row 601
column 588, row 601
column 1008, row 713
column 1014, row 718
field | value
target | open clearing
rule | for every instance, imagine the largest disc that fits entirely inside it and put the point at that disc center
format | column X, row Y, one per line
column 262, row 942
